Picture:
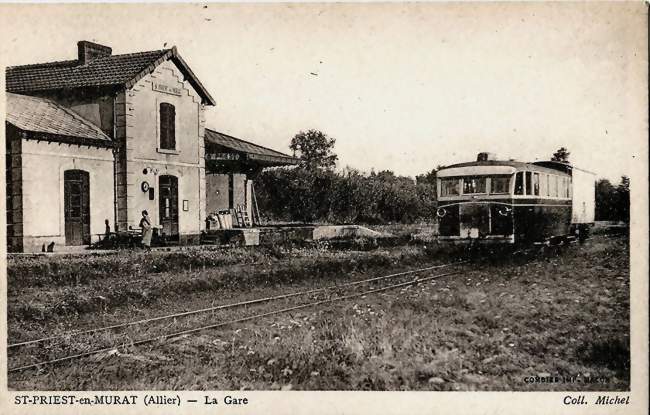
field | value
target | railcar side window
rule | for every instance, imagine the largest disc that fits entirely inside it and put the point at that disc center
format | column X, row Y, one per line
column 566, row 187
column 543, row 184
column 449, row 187
column 554, row 186
column 529, row 186
column 519, row 183
column 474, row 185
column 536, row 184
column 500, row 184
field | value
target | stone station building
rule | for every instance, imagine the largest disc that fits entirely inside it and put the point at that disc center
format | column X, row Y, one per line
column 98, row 139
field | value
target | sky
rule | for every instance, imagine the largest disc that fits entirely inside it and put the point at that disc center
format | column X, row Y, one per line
column 403, row 87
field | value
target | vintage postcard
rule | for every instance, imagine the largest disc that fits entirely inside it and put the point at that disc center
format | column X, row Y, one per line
column 328, row 208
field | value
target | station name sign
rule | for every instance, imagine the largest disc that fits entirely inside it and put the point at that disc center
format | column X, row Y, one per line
column 166, row 88
column 222, row 156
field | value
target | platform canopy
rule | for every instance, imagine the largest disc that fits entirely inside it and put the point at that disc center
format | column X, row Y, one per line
column 223, row 149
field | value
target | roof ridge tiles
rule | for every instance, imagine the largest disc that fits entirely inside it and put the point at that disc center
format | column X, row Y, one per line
column 44, row 64
column 75, row 62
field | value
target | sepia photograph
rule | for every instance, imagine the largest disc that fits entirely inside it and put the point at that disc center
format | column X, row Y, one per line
column 382, row 197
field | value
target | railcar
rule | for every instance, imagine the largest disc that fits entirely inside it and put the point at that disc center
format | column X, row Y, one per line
column 491, row 201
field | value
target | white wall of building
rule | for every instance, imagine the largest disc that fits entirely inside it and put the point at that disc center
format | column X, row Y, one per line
column 44, row 164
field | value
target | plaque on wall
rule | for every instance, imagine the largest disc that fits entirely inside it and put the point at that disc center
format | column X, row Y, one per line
column 165, row 88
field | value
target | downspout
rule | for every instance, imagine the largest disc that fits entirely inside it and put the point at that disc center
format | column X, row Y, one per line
column 115, row 151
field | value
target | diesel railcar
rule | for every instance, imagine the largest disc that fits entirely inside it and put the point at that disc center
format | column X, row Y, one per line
column 509, row 202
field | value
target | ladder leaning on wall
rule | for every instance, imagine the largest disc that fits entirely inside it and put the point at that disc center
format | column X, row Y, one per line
column 255, row 209
column 241, row 215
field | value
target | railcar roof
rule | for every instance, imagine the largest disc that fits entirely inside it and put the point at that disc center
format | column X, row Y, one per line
column 518, row 165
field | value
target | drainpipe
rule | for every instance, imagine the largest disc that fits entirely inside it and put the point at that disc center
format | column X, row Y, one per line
column 115, row 151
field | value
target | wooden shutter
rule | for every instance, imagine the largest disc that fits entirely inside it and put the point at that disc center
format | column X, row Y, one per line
column 167, row 126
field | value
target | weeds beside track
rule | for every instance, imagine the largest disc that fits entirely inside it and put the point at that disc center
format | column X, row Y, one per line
column 331, row 299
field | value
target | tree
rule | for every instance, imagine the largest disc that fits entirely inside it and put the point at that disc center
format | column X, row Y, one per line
column 561, row 155
column 623, row 199
column 314, row 148
column 613, row 202
column 605, row 200
column 428, row 177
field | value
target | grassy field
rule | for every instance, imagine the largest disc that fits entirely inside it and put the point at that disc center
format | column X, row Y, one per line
column 491, row 327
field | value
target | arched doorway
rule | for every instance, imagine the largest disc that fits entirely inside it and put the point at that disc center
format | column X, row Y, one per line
column 168, row 205
column 76, row 197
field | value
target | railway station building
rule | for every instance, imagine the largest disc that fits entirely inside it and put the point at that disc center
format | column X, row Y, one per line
column 94, row 141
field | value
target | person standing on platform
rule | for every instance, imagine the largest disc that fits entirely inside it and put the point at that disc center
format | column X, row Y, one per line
column 147, row 230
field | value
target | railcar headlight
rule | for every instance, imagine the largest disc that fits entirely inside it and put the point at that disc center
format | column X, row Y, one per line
column 441, row 212
column 505, row 211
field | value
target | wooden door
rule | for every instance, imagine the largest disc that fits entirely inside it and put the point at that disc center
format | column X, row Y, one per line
column 168, row 205
column 76, row 196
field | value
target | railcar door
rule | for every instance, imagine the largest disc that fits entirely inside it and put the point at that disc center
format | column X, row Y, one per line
column 76, row 197
column 168, row 205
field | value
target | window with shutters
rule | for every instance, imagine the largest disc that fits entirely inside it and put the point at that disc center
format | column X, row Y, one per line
column 167, row 127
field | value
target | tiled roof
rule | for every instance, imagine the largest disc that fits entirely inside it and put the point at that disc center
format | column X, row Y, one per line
column 111, row 70
column 51, row 121
column 105, row 71
column 253, row 151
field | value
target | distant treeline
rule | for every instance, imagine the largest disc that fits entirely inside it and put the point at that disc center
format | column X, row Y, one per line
column 349, row 196
column 613, row 202
column 314, row 192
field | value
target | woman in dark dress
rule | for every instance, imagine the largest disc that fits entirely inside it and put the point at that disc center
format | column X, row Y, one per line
column 147, row 230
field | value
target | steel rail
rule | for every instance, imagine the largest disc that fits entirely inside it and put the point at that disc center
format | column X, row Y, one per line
column 226, row 323
column 226, row 306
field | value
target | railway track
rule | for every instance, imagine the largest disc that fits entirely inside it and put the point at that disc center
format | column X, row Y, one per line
column 54, row 349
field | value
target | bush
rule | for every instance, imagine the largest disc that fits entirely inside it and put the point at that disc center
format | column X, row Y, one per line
column 304, row 195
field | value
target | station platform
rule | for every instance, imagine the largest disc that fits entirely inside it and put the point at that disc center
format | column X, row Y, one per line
column 222, row 238
column 268, row 235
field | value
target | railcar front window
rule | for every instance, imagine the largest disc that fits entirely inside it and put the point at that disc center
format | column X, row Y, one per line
column 474, row 185
column 449, row 187
column 500, row 184
column 529, row 186
column 519, row 184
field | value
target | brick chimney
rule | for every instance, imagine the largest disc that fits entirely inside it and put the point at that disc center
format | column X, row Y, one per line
column 89, row 51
